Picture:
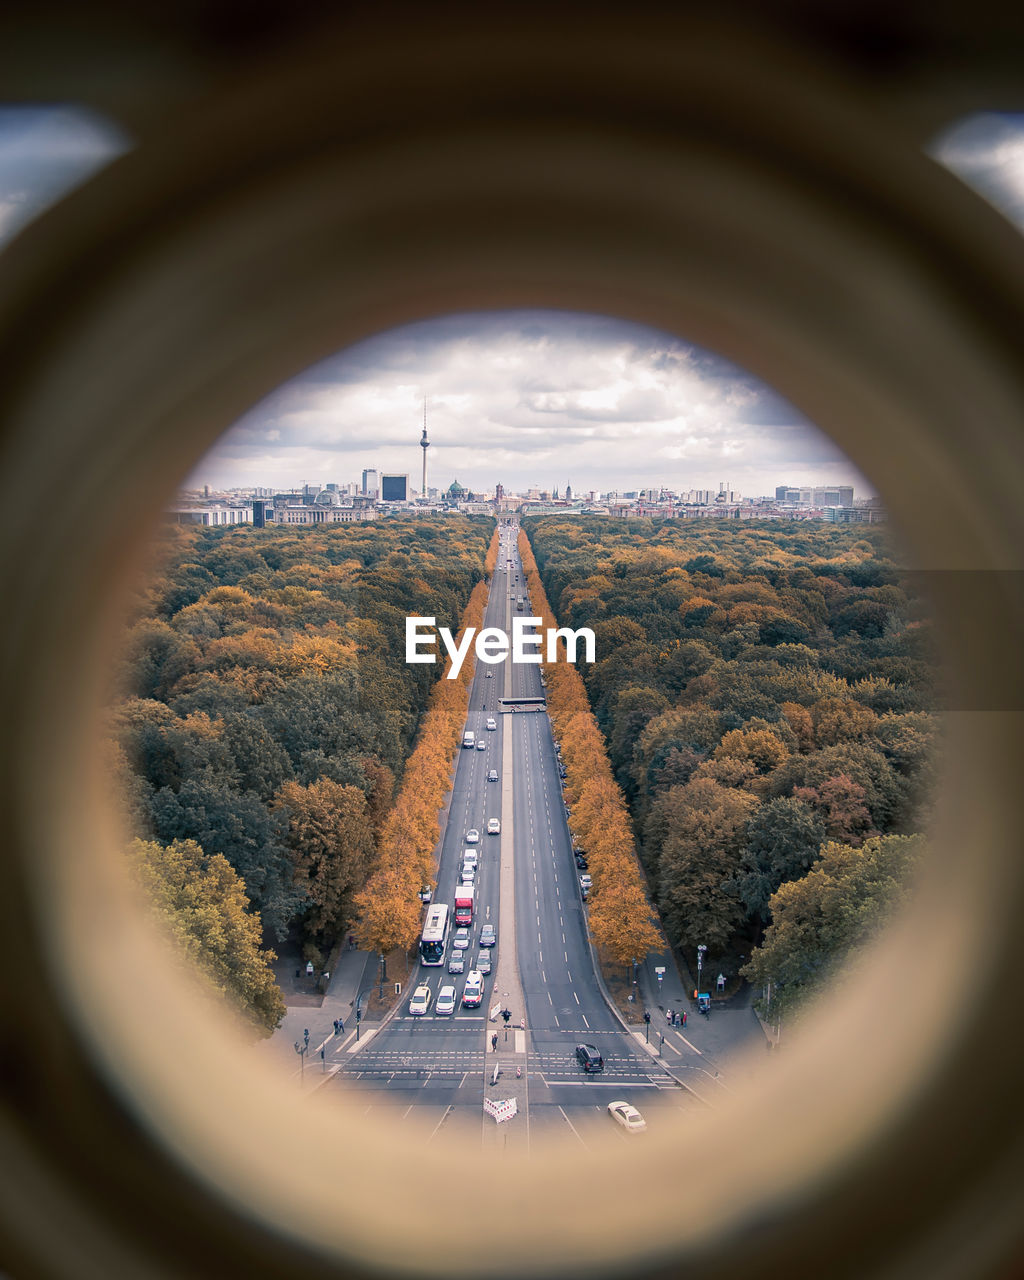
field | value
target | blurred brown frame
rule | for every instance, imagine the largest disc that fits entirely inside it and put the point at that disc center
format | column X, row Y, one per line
column 724, row 182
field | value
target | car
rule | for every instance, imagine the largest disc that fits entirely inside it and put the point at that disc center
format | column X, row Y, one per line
column 585, row 881
column 627, row 1115
column 492, row 775
column 460, row 940
column 456, row 962
column 492, row 724
column 483, row 962
column 582, row 862
column 481, row 745
column 490, row 675
column 493, row 827
column 470, row 857
column 473, row 991
column 472, row 836
column 420, row 1001
column 469, row 875
column 446, row 1001
column 589, row 1058
column 488, row 937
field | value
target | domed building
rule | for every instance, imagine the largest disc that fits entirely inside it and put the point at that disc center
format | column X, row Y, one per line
column 328, row 498
column 456, row 493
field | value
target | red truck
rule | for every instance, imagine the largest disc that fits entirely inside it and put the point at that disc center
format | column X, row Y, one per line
column 464, row 905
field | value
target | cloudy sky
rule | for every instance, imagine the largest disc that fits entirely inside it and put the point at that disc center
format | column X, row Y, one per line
column 523, row 398
column 527, row 398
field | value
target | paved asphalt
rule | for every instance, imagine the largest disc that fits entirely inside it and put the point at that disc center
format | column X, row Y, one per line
column 435, row 1072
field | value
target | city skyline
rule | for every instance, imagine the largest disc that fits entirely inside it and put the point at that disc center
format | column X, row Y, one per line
column 528, row 399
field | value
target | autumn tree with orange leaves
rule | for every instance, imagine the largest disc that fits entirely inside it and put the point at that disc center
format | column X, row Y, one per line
column 389, row 908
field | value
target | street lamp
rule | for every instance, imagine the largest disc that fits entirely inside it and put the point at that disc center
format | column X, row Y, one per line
column 700, row 963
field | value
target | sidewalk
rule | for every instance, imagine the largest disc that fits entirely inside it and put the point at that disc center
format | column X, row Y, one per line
column 355, row 972
column 723, row 1043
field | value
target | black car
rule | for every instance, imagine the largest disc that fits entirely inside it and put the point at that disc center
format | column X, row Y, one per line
column 589, row 1058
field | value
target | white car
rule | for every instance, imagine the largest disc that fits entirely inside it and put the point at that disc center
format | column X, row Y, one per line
column 473, row 992
column 492, row 724
column 456, row 962
column 420, row 1001
column 446, row 1001
column 472, row 836
column 493, row 827
column 470, row 857
column 469, row 875
column 628, row 1116
column 460, row 940
column 585, row 881
column 481, row 745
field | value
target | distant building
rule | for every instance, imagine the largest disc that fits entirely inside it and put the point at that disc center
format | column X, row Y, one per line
column 216, row 513
column 394, row 488
column 371, row 483
column 853, row 515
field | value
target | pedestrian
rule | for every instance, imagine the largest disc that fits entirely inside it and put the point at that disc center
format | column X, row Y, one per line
column 341, row 1026
column 494, row 1042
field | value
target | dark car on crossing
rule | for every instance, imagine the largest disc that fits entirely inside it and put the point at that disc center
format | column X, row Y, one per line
column 589, row 1058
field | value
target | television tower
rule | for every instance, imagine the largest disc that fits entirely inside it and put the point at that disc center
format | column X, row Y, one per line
column 424, row 445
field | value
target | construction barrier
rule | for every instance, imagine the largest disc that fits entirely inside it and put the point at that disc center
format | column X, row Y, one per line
column 501, row 1110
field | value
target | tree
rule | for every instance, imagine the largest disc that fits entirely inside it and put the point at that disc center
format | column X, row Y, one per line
column 840, row 802
column 704, row 833
column 389, row 911
column 237, row 825
column 202, row 903
column 332, row 848
column 842, row 904
column 783, row 839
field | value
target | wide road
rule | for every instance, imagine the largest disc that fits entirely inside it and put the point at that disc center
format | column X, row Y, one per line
column 435, row 1071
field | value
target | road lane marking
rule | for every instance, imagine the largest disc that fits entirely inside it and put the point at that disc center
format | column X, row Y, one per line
column 575, row 997
column 574, row 1129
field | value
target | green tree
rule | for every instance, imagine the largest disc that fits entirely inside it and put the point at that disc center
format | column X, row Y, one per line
column 202, row 903
column 842, row 904
column 783, row 839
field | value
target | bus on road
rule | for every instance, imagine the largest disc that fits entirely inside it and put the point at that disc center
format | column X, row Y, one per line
column 435, row 935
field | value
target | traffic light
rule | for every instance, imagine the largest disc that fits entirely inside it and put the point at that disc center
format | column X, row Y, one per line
column 647, row 1015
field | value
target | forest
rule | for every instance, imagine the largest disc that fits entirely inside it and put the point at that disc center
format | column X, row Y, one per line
column 263, row 715
column 767, row 694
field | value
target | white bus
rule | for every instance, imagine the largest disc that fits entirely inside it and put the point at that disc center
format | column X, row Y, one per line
column 435, row 935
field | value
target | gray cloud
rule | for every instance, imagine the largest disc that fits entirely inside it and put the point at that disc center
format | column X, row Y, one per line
column 526, row 398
